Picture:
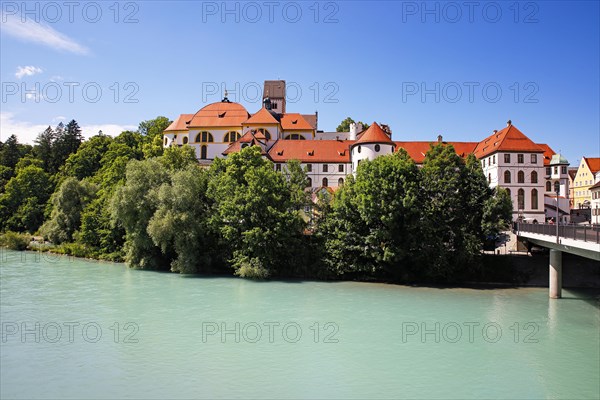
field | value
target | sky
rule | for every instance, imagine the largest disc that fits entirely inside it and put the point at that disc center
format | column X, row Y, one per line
column 459, row 69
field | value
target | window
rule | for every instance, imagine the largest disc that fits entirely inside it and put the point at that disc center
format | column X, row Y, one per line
column 506, row 176
column 548, row 186
column 555, row 170
column 489, row 178
column 204, row 137
column 308, row 182
column 340, row 167
column 534, row 158
column 556, row 186
column 231, row 137
column 483, row 163
column 377, row 148
column 494, row 159
column 325, row 182
column 548, row 171
column 508, row 191
column 294, row 136
column 340, row 181
column 278, row 167
column 185, row 140
column 521, row 177
column 359, row 149
column 534, row 199
column 534, row 177
column 203, row 152
column 521, row 199
column 507, row 158
column 563, row 169
column 520, row 158
column 265, row 132
column 166, row 141
column 308, row 167
column 325, row 168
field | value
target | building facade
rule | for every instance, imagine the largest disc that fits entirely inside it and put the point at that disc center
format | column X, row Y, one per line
column 508, row 157
column 584, row 180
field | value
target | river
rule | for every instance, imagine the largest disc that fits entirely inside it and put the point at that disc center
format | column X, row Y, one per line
column 81, row 329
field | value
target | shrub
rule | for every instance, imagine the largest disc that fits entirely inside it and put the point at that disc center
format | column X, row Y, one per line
column 15, row 241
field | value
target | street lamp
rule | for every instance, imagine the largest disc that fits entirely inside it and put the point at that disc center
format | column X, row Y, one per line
column 557, row 188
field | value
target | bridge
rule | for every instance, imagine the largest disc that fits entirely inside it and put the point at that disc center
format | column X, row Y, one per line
column 581, row 240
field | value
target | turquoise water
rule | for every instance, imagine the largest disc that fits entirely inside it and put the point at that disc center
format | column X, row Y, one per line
column 106, row 331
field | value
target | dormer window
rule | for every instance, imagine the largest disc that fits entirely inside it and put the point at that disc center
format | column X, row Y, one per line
column 222, row 115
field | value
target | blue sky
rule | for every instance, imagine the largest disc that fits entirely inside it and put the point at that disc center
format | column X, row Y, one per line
column 458, row 69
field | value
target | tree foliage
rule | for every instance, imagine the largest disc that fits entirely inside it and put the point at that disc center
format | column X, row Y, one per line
column 344, row 126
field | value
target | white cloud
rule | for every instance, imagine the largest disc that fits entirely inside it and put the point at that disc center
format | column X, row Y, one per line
column 32, row 31
column 26, row 132
column 28, row 70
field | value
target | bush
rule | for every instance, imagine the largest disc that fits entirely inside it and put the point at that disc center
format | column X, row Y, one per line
column 15, row 241
column 251, row 268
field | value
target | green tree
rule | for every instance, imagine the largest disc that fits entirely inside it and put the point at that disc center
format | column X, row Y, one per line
column 132, row 207
column 497, row 213
column 152, row 131
column 68, row 203
column 87, row 160
column 254, row 213
column 23, row 202
column 176, row 158
column 43, row 149
column 66, row 143
column 344, row 126
column 180, row 226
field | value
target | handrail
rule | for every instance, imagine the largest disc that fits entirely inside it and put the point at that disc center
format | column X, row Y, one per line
column 585, row 233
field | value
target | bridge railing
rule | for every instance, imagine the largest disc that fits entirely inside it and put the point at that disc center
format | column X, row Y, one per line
column 585, row 233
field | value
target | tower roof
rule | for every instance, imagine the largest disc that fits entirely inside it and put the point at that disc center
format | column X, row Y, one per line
column 263, row 116
column 558, row 159
column 374, row 135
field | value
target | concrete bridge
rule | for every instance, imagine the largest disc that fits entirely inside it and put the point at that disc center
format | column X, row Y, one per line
column 580, row 240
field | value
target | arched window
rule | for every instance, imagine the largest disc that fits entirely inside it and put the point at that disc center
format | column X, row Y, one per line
column 185, row 140
column 325, row 182
column 521, row 199
column 265, row 132
column 489, row 178
column 509, row 194
column 377, row 148
column 359, row 149
column 534, row 199
column 521, row 177
column 340, row 181
column 204, row 137
column 557, row 186
column 294, row 136
column 308, row 182
column 506, row 176
column 203, row 152
column 548, row 186
column 534, row 177
column 231, row 137
column 166, row 141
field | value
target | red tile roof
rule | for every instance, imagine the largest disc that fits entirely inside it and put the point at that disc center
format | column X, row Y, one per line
column 311, row 151
column 417, row 150
column 374, row 135
column 294, row 121
column 593, row 164
column 180, row 123
column 219, row 114
column 247, row 138
column 508, row 139
column 263, row 116
column 548, row 153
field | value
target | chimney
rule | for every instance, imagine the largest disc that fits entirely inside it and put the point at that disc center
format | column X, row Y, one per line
column 495, row 131
column 508, row 123
column 359, row 127
column 439, row 138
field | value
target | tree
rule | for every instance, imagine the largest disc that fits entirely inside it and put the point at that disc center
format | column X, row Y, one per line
column 344, row 126
column 152, row 131
column 22, row 204
column 68, row 203
column 43, row 149
column 254, row 213
column 87, row 160
column 67, row 142
column 132, row 207
column 180, row 224
column 176, row 158
column 373, row 226
column 12, row 151
column 497, row 213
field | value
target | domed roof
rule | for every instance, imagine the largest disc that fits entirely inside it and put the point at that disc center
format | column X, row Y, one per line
column 558, row 159
column 223, row 113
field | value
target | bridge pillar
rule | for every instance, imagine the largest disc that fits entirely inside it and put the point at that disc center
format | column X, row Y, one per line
column 555, row 274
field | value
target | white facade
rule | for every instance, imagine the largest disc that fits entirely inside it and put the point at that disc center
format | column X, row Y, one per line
column 522, row 174
column 331, row 175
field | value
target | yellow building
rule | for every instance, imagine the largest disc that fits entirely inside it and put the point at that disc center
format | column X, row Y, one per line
column 584, row 179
